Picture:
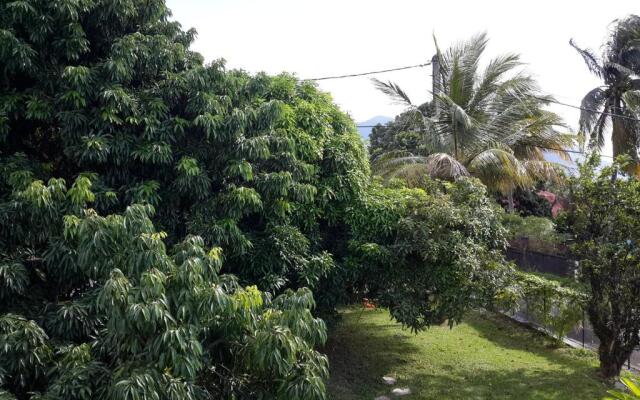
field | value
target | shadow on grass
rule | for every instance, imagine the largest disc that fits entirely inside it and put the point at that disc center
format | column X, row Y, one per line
column 517, row 384
column 360, row 353
column 364, row 347
column 509, row 334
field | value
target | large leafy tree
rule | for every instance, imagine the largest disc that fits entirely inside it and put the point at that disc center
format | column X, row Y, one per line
column 257, row 165
column 615, row 103
column 436, row 250
column 487, row 123
column 105, row 96
column 604, row 221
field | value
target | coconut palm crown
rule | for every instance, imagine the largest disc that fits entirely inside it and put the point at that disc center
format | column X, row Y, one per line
column 616, row 104
column 487, row 122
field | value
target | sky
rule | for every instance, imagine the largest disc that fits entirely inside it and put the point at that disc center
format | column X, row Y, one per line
column 333, row 37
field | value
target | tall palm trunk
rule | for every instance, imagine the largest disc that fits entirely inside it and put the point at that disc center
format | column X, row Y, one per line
column 623, row 141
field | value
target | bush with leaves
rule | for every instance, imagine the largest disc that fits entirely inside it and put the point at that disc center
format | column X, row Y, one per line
column 539, row 228
column 109, row 313
column 604, row 221
column 557, row 306
column 540, row 233
column 435, row 251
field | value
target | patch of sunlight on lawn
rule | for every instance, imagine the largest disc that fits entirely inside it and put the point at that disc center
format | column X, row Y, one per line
column 486, row 357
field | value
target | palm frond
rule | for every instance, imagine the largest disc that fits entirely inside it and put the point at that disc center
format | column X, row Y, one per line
column 631, row 55
column 620, row 71
column 444, row 166
column 625, row 32
column 596, row 135
column 546, row 170
column 457, row 115
column 591, row 103
column 491, row 79
column 393, row 91
column 631, row 99
column 386, row 163
column 592, row 61
column 499, row 169
column 407, row 166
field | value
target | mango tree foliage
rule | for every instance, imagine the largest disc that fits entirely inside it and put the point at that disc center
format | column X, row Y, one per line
column 106, row 95
column 109, row 312
column 435, row 251
column 109, row 89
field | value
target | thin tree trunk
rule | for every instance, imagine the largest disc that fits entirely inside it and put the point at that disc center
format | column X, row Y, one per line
column 620, row 140
column 511, row 204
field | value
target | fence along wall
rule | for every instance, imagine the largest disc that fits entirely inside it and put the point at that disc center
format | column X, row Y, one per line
column 581, row 335
column 529, row 260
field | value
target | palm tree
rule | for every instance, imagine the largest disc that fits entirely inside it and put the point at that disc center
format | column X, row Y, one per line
column 487, row 123
column 616, row 102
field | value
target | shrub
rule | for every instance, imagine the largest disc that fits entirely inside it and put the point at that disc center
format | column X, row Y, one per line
column 555, row 305
column 435, row 252
column 540, row 232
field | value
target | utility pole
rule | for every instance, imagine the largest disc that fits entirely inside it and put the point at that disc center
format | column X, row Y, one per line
column 435, row 82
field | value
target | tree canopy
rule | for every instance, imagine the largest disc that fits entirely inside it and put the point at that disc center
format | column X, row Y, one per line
column 605, row 224
column 249, row 163
column 617, row 103
column 435, row 250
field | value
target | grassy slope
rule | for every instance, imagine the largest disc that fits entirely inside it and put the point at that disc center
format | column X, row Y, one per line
column 487, row 357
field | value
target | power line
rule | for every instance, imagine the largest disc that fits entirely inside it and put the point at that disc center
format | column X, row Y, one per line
column 584, row 108
column 540, row 147
column 570, row 151
column 429, row 63
column 367, row 73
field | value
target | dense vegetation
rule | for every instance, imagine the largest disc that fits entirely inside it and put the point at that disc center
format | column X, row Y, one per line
column 104, row 106
column 435, row 251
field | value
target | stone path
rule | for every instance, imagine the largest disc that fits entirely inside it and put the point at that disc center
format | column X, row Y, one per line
column 397, row 392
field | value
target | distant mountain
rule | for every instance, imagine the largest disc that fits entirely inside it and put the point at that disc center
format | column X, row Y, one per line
column 379, row 119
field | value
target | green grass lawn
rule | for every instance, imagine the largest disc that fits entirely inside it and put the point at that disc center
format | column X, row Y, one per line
column 487, row 357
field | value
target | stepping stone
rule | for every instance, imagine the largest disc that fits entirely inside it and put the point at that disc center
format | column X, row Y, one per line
column 389, row 380
column 620, row 386
column 401, row 391
column 382, row 398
